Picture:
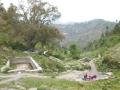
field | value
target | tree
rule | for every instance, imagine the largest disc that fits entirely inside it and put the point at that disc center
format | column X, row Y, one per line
column 36, row 17
column 38, row 12
column 74, row 51
column 116, row 29
column 50, row 35
column 30, row 24
column 10, row 23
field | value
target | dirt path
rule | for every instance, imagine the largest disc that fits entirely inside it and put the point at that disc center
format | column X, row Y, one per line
column 11, row 78
column 15, row 77
column 78, row 75
column 71, row 75
column 93, row 67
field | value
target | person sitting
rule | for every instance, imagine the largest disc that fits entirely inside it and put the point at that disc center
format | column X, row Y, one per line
column 85, row 76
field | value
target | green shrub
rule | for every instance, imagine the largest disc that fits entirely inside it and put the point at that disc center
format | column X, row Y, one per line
column 49, row 65
column 111, row 63
column 5, row 69
column 58, row 54
column 74, row 51
column 43, row 87
column 17, row 46
column 75, row 65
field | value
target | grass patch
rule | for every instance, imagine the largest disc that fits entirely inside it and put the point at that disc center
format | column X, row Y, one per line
column 51, row 84
column 49, row 65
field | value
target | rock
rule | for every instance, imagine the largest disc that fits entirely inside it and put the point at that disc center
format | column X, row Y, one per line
column 45, row 52
column 86, row 59
column 67, row 66
column 20, row 87
column 109, row 73
column 32, row 89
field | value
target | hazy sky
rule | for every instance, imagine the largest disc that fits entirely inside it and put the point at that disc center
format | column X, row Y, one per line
column 84, row 10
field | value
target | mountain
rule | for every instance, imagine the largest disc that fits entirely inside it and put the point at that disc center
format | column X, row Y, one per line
column 83, row 33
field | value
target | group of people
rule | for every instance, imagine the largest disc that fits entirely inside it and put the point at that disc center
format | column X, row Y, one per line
column 89, row 76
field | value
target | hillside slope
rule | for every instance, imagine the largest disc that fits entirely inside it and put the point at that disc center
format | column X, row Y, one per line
column 83, row 33
column 112, row 58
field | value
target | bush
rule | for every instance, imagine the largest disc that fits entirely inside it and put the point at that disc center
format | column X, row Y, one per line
column 74, row 51
column 5, row 69
column 76, row 65
column 111, row 61
column 17, row 46
column 58, row 54
column 49, row 65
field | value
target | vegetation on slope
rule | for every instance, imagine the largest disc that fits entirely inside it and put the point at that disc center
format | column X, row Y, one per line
column 108, row 47
column 83, row 33
column 71, row 85
column 52, row 83
column 112, row 58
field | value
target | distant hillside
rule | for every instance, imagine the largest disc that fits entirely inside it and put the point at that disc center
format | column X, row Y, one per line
column 83, row 33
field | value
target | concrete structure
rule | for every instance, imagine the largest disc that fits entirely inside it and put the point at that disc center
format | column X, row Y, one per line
column 24, row 60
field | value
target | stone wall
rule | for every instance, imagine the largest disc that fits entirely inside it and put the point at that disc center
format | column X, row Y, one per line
column 25, row 60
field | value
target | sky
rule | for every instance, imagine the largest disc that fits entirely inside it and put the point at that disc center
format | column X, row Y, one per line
column 83, row 10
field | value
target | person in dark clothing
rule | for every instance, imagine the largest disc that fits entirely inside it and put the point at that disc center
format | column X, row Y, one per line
column 85, row 76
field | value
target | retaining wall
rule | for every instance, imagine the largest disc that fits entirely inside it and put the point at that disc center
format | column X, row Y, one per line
column 25, row 60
